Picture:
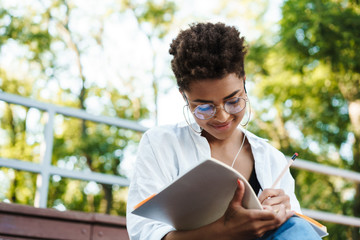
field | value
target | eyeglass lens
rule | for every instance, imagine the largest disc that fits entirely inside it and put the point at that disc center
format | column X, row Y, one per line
column 233, row 106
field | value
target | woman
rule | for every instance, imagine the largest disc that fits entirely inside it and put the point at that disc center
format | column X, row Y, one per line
column 208, row 63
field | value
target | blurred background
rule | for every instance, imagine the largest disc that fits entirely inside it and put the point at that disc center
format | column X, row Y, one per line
column 87, row 64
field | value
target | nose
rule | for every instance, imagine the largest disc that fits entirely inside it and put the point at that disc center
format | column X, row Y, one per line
column 221, row 115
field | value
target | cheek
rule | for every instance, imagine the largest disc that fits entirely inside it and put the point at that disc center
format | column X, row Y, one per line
column 240, row 115
column 237, row 118
column 201, row 123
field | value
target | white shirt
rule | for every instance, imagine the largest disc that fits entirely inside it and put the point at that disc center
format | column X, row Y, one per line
column 167, row 152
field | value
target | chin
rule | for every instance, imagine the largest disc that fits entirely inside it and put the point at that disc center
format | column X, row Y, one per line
column 221, row 133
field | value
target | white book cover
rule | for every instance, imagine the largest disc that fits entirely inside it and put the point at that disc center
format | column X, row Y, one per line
column 197, row 198
column 201, row 196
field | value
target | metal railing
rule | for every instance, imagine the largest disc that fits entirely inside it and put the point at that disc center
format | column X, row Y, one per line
column 331, row 171
column 45, row 169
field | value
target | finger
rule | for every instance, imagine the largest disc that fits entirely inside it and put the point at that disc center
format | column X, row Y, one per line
column 239, row 194
column 283, row 215
column 262, row 215
column 287, row 204
column 235, row 203
column 268, row 208
column 276, row 208
column 274, row 200
column 263, row 195
column 269, row 192
column 280, row 216
column 282, row 199
column 263, row 226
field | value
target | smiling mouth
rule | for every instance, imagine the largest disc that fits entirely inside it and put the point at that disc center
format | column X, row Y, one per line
column 221, row 126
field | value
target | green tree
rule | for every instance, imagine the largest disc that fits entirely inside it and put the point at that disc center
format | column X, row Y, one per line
column 327, row 33
column 308, row 80
column 56, row 40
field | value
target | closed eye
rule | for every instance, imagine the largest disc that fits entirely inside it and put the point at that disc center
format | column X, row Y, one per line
column 205, row 107
column 233, row 101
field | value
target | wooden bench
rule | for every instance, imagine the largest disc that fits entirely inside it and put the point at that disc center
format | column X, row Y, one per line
column 26, row 222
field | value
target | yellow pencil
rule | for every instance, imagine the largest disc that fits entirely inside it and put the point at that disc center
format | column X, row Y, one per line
column 284, row 170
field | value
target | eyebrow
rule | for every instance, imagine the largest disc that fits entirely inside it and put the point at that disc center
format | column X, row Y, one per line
column 227, row 97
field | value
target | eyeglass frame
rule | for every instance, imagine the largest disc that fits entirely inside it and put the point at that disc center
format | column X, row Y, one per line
column 216, row 106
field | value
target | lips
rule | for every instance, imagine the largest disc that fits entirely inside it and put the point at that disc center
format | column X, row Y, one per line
column 221, row 127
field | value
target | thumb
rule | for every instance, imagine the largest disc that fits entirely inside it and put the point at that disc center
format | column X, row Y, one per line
column 239, row 194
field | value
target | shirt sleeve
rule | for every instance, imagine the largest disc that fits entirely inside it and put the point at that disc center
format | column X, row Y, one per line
column 148, row 178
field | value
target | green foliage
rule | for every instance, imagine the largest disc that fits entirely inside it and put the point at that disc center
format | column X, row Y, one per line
column 20, row 185
column 308, row 97
column 325, row 31
column 306, row 81
column 26, row 31
column 86, row 196
column 44, row 35
column 20, row 141
column 158, row 14
column 101, row 151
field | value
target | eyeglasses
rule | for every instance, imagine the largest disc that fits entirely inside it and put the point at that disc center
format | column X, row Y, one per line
column 208, row 110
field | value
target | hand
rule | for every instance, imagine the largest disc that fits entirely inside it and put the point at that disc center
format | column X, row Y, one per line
column 275, row 198
column 241, row 223
column 277, row 201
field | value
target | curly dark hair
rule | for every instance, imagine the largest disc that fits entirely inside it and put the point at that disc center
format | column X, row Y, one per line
column 207, row 51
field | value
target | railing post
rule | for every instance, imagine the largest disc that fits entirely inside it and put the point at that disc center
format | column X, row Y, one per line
column 43, row 178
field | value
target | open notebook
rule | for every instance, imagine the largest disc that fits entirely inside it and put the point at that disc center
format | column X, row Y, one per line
column 199, row 197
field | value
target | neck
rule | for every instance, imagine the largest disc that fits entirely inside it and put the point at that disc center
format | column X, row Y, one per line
column 238, row 134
